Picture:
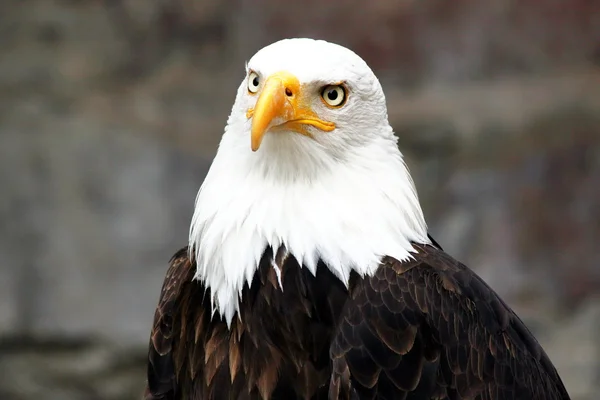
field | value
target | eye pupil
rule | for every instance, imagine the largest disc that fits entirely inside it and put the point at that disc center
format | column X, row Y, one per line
column 334, row 95
column 253, row 82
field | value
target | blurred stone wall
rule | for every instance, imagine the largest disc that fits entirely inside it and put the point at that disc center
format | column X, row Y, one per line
column 111, row 110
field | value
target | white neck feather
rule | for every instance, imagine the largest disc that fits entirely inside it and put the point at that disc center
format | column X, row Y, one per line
column 348, row 212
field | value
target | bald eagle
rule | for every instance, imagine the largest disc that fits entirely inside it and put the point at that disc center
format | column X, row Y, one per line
column 309, row 272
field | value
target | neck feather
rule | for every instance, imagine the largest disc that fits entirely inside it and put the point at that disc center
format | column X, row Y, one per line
column 348, row 213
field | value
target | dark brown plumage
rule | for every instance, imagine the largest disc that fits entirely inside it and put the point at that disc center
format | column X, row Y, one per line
column 425, row 329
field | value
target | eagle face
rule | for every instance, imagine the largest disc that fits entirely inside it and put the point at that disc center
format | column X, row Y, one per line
column 309, row 96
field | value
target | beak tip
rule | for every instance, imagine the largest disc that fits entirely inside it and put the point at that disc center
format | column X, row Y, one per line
column 254, row 146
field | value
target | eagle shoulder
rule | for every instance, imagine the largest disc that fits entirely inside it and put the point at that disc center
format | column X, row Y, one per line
column 431, row 328
column 162, row 367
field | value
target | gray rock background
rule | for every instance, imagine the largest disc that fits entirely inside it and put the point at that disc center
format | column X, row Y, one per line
column 110, row 112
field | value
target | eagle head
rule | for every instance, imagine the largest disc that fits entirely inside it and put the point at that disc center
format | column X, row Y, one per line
column 308, row 161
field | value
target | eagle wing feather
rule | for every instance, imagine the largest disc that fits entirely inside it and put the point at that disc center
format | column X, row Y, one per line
column 431, row 328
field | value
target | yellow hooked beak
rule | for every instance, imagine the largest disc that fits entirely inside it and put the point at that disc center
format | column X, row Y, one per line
column 283, row 105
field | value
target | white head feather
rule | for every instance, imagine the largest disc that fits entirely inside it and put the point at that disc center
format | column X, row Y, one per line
column 345, row 196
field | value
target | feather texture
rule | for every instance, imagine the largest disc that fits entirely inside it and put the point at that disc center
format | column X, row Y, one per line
column 428, row 328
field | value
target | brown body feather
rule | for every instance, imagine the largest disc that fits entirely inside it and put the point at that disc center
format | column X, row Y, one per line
column 425, row 329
